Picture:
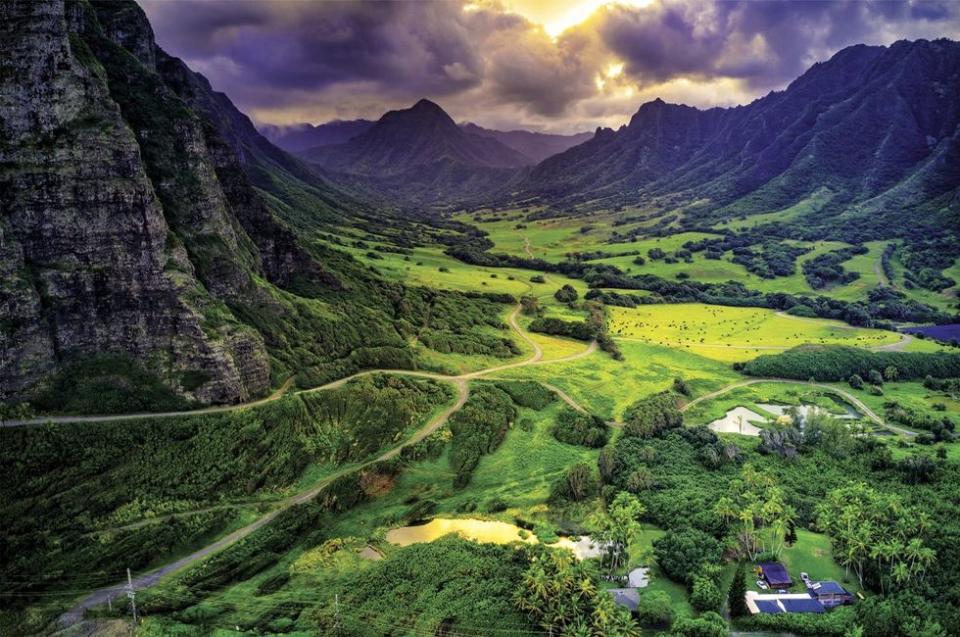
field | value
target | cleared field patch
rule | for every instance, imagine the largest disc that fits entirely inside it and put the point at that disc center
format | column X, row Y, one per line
column 734, row 333
column 606, row 387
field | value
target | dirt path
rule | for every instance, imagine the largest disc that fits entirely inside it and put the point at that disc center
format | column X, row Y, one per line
column 526, row 247
column 856, row 402
column 460, row 382
column 101, row 596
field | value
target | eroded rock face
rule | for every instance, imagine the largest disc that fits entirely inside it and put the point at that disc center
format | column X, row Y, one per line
column 90, row 258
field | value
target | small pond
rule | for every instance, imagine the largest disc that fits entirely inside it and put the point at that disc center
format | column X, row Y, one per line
column 945, row 333
column 490, row 531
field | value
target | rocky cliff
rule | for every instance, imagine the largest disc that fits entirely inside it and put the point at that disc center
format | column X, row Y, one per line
column 131, row 220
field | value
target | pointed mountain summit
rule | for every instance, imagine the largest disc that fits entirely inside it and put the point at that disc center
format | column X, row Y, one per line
column 423, row 134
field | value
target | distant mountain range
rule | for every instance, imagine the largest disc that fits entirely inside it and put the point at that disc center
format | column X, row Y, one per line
column 534, row 146
column 873, row 131
column 870, row 133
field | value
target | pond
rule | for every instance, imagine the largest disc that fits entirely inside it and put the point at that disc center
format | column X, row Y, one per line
column 490, row 531
column 738, row 421
column 945, row 333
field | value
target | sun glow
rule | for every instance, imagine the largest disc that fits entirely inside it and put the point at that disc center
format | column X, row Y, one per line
column 578, row 12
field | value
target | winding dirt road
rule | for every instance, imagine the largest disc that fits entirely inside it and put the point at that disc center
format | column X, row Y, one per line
column 460, row 382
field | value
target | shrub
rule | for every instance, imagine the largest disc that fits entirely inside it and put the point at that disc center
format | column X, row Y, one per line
column 575, row 428
column 578, row 483
column 655, row 609
column 653, row 415
column 681, row 553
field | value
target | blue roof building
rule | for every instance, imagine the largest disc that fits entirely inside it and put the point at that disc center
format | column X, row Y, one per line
column 776, row 574
column 829, row 594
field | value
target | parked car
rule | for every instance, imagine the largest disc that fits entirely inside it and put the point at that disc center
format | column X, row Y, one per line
column 762, row 585
column 805, row 577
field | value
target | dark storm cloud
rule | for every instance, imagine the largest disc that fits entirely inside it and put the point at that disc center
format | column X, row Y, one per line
column 763, row 43
column 287, row 60
column 312, row 45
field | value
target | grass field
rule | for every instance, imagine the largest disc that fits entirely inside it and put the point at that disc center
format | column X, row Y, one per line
column 607, row 387
column 733, row 333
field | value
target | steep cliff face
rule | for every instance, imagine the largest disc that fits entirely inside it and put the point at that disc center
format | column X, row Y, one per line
column 127, row 221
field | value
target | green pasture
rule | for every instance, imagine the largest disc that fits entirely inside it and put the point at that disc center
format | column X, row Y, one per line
column 733, row 333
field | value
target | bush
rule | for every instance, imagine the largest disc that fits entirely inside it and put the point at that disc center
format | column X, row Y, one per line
column 856, row 382
column 705, row 594
column 478, row 429
column 655, row 609
column 682, row 553
column 653, row 415
column 578, row 483
column 575, row 428
column 566, row 294
column 528, row 393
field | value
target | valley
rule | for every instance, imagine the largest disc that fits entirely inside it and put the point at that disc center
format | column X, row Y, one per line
column 401, row 374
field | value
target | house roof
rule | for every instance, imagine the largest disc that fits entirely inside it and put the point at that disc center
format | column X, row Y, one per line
column 788, row 603
column 775, row 572
column 826, row 588
column 627, row 597
column 808, row 605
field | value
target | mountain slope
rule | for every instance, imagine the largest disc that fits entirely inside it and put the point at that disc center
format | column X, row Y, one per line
column 142, row 216
column 859, row 128
column 421, row 155
column 300, row 137
column 535, row 146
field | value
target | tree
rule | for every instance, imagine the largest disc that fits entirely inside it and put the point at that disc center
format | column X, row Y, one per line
column 736, row 596
column 875, row 377
column 655, row 609
column 856, row 381
column 530, row 305
column 681, row 553
column 705, row 595
column 680, row 386
column 620, row 524
column 891, row 373
column 566, row 294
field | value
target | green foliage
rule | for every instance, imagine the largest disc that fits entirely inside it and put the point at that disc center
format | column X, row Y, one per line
column 653, row 415
column 709, row 624
column 578, row 483
column 835, row 623
column 528, row 393
column 576, row 428
column 655, row 609
column 736, row 596
column 705, row 594
column 566, row 294
column 581, row 331
column 839, row 363
column 479, row 428
column 683, row 553
column 371, row 413
column 449, row 586
column 106, row 384
column 562, row 597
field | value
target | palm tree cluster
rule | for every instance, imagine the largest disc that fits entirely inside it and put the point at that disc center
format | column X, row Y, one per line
column 759, row 509
column 870, row 529
column 562, row 597
column 614, row 530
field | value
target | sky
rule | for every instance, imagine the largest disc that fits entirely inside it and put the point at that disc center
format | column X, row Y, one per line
column 550, row 65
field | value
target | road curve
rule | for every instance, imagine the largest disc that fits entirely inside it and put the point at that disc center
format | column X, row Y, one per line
column 856, row 402
column 102, row 595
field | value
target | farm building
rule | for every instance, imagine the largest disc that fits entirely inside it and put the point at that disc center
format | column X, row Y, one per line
column 629, row 598
column 776, row 604
column 776, row 575
column 829, row 594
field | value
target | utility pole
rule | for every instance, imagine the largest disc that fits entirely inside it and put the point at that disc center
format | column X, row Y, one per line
column 132, row 594
column 336, row 602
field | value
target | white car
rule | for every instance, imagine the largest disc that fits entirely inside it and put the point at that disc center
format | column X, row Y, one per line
column 805, row 577
column 762, row 585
